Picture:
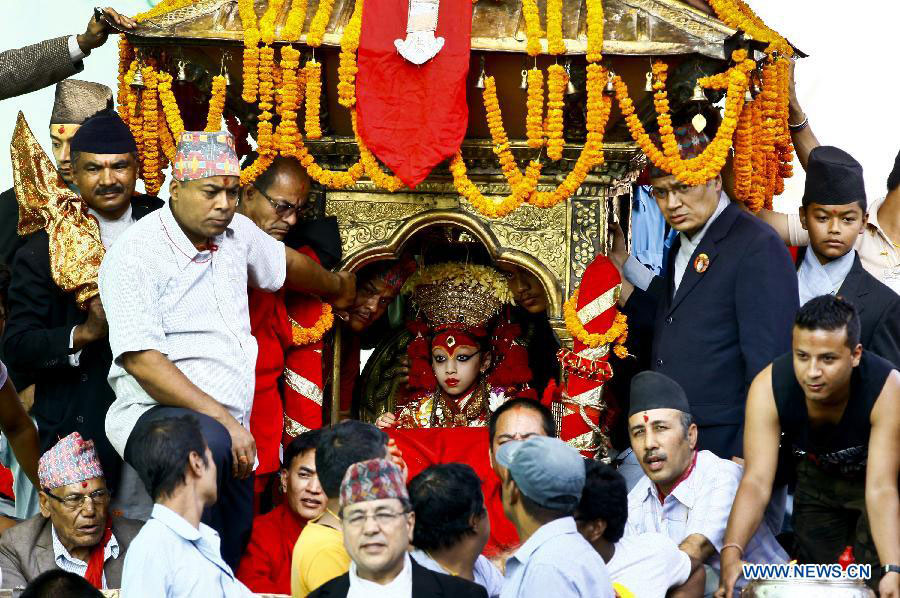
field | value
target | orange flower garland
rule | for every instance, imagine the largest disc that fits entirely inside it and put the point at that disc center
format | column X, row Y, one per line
column 617, row 333
column 758, row 160
column 293, row 25
column 307, row 336
column 287, row 135
column 267, row 22
column 319, row 23
column 126, row 57
column 169, row 105
column 534, row 120
column 556, row 88
column 313, row 99
column 498, row 134
column 251, row 50
column 347, row 68
column 370, row 163
column 555, row 44
column 532, row 27
column 264, row 138
column 150, row 165
column 743, row 156
column 162, row 8
column 216, row 105
column 783, row 143
column 166, row 142
column 594, row 31
column 738, row 15
column 488, row 207
column 135, row 119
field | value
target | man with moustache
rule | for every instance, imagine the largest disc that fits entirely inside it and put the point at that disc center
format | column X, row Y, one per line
column 75, row 102
column 722, row 308
column 685, row 494
column 64, row 348
column 833, row 404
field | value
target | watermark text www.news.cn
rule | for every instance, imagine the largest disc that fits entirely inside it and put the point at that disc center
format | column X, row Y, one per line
column 807, row 571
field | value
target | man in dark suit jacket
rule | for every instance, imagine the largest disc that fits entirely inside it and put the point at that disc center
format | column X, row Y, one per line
column 375, row 509
column 48, row 336
column 723, row 308
column 36, row 66
column 833, row 212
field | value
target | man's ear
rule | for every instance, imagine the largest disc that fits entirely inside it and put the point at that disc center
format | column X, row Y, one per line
column 174, row 187
column 44, row 504
column 802, row 212
column 692, row 436
column 196, row 466
column 412, row 524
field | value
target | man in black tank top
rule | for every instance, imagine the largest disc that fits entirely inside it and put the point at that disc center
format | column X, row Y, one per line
column 836, row 406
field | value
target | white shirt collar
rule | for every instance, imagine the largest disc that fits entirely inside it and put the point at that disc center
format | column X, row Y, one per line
column 399, row 587
column 61, row 554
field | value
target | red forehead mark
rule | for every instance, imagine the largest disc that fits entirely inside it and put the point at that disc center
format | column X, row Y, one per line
column 61, row 129
column 834, row 213
column 646, row 419
column 84, row 484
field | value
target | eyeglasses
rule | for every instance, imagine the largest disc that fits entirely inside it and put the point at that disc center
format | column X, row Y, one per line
column 382, row 518
column 76, row 501
column 282, row 208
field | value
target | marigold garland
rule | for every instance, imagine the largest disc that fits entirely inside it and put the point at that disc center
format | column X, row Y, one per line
column 743, row 156
column 267, row 22
column 287, row 135
column 347, row 68
column 150, row 166
column 126, row 58
column 617, row 333
column 370, row 165
column 594, row 31
column 134, row 119
column 533, row 30
column 534, row 120
column 738, row 15
column 162, row 8
column 488, row 207
column 166, row 141
column 216, row 105
column 169, row 105
column 498, row 134
column 555, row 44
column 251, row 50
column 264, row 138
column 307, row 336
column 313, row 99
column 293, row 25
column 319, row 23
column 556, row 88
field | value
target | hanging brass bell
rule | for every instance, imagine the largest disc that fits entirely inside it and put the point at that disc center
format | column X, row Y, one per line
column 748, row 95
column 138, row 80
column 610, row 89
column 699, row 95
column 648, row 86
column 182, row 71
column 570, row 87
column 227, row 78
column 479, row 83
column 524, row 83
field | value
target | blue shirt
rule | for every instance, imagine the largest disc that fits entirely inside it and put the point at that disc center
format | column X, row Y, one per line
column 556, row 562
column 648, row 230
column 170, row 558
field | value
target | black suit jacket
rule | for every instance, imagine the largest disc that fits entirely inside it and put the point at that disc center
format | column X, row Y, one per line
column 10, row 241
column 878, row 307
column 425, row 584
column 725, row 324
column 41, row 317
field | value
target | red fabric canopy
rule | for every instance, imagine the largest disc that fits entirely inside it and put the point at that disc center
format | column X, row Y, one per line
column 412, row 117
column 427, row 446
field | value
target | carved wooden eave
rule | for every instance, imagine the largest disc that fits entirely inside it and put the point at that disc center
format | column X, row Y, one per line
column 632, row 27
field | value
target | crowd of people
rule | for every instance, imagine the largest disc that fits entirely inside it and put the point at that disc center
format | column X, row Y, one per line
column 166, row 428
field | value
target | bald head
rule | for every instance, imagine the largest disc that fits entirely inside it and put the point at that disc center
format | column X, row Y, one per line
column 273, row 200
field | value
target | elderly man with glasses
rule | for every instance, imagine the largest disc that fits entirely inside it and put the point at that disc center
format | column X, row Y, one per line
column 74, row 531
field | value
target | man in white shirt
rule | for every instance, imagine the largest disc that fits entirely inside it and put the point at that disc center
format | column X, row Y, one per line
column 685, row 494
column 647, row 565
column 378, row 521
column 175, row 293
column 722, row 308
column 175, row 555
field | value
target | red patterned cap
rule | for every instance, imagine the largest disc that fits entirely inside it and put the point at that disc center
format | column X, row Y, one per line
column 71, row 460
column 202, row 155
column 374, row 479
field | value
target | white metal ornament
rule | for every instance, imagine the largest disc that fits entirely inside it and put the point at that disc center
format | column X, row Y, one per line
column 420, row 44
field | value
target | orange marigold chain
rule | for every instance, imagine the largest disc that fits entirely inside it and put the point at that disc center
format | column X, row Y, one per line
column 126, row 63
column 556, row 88
column 738, row 15
column 216, row 105
column 594, row 31
column 264, row 138
column 783, row 144
column 534, row 119
column 267, row 22
column 768, row 98
column 307, row 336
column 313, row 99
column 743, row 155
column 251, row 50
column 759, row 160
column 370, row 165
column 617, row 333
column 532, row 27
column 287, row 134
column 347, row 67
column 150, row 165
column 293, row 25
column 319, row 23
column 555, row 44
column 489, row 207
column 498, row 134
column 169, row 105
column 162, row 8
column 166, row 141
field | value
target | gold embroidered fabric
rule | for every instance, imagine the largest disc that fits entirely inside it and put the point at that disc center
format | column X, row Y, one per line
column 45, row 202
column 438, row 411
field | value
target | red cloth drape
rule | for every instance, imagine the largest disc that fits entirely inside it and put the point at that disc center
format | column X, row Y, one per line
column 94, row 573
column 412, row 117
column 266, row 564
column 428, row 446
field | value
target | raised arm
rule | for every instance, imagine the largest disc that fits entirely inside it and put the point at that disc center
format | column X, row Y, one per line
column 762, row 432
column 804, row 139
column 882, row 470
column 20, row 430
column 306, row 275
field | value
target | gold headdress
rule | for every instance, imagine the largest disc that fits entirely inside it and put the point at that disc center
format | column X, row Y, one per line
column 454, row 293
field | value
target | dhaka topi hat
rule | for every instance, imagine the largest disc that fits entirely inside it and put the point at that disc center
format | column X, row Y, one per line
column 104, row 133
column 71, row 460
column 652, row 390
column 833, row 178
column 546, row 470
column 76, row 101
column 201, row 155
column 374, row 479
column 690, row 145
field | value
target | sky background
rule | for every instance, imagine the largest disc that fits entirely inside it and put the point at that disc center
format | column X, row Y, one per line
column 847, row 86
